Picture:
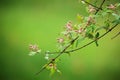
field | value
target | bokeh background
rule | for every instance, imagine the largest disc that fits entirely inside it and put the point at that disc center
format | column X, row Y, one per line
column 24, row 22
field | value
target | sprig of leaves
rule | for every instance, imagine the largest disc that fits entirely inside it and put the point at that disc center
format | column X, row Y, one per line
column 74, row 34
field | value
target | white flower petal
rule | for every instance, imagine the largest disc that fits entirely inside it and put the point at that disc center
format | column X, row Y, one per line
column 32, row 53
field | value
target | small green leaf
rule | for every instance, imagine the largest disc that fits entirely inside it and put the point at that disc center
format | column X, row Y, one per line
column 52, row 71
column 97, row 35
column 96, row 42
column 59, row 71
column 106, row 26
column 103, row 27
column 70, row 35
column 91, row 28
column 116, row 15
column 117, row 21
column 77, row 42
column 89, row 35
column 118, row 4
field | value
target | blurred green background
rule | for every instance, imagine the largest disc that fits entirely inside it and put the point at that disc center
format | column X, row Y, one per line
column 24, row 22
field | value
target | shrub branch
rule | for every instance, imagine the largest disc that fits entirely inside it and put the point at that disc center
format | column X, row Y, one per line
column 73, row 40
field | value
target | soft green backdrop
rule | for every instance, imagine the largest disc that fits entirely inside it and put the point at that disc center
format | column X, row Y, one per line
column 39, row 22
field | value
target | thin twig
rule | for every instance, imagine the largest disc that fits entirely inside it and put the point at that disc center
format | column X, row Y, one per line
column 93, row 40
column 100, row 7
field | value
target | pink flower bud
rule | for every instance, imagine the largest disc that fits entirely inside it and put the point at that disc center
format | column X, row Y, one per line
column 79, row 31
column 91, row 9
column 60, row 40
column 111, row 6
column 33, row 48
column 69, row 26
column 90, row 20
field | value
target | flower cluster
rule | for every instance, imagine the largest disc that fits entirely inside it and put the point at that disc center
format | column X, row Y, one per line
column 34, row 49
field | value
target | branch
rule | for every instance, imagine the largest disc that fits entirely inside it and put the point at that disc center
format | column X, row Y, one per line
column 93, row 40
column 72, row 41
column 100, row 7
column 64, row 50
column 60, row 53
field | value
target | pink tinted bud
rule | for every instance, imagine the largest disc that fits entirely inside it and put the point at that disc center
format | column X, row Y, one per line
column 60, row 40
column 69, row 25
column 50, row 65
column 91, row 9
column 111, row 6
column 79, row 31
column 90, row 21
column 33, row 47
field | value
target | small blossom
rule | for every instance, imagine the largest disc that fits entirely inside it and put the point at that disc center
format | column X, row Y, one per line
column 32, row 53
column 47, row 56
column 90, row 20
column 91, row 9
column 111, row 6
column 51, row 65
column 69, row 25
column 34, row 49
column 79, row 31
column 60, row 40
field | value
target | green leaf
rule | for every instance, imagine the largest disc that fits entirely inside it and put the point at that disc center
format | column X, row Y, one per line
column 70, row 35
column 106, row 27
column 52, row 71
column 91, row 28
column 118, row 4
column 116, row 15
column 97, row 35
column 78, row 41
column 89, row 35
column 59, row 71
column 117, row 21
column 96, row 42
column 109, row 11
